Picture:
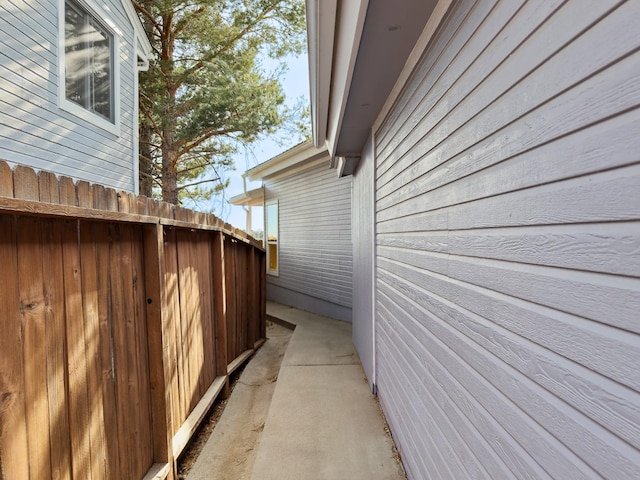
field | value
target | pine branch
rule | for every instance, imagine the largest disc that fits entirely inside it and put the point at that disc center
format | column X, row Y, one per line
column 217, row 179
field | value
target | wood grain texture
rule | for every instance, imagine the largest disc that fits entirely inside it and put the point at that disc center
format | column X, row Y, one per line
column 82, row 393
column 90, row 303
column 159, row 338
column 103, row 240
column 79, row 419
column 57, row 378
column 220, row 305
column 13, row 424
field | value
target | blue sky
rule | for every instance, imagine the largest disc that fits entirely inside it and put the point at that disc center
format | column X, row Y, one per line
column 296, row 85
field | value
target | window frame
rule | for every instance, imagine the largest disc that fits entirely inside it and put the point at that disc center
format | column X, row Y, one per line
column 104, row 21
column 274, row 272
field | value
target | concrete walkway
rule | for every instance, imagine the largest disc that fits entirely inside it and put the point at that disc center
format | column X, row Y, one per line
column 323, row 422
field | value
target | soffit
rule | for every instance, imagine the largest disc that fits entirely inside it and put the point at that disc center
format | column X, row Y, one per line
column 390, row 32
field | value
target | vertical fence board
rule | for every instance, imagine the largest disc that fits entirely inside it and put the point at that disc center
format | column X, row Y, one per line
column 220, row 306
column 77, row 361
column 111, row 199
column 239, row 303
column 25, row 183
column 182, row 324
column 241, row 276
column 130, row 373
column 99, row 197
column 232, row 311
column 263, row 294
column 178, row 395
column 6, row 180
column 57, row 384
column 203, row 257
column 189, row 306
column 251, row 297
column 120, row 360
column 49, row 191
column 96, row 431
column 140, row 348
column 67, row 191
column 32, row 309
column 102, row 240
column 13, row 428
column 85, row 194
column 137, row 409
column 159, row 335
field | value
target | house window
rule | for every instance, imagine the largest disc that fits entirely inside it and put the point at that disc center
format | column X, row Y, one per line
column 272, row 238
column 88, row 61
column 89, row 67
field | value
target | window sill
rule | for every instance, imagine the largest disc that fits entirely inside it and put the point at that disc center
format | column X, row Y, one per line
column 89, row 117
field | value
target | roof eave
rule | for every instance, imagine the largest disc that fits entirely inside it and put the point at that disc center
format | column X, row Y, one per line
column 302, row 153
column 332, row 56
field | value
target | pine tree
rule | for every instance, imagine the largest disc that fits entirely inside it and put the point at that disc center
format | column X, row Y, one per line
column 205, row 92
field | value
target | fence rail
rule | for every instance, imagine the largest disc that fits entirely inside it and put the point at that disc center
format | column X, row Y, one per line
column 121, row 319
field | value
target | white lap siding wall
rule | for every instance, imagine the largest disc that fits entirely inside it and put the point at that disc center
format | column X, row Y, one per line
column 34, row 131
column 508, row 245
column 315, row 241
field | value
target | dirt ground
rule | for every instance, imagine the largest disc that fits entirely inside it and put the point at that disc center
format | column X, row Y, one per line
column 225, row 445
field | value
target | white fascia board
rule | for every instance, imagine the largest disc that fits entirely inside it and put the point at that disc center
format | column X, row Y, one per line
column 321, row 22
column 143, row 45
column 351, row 18
column 303, row 153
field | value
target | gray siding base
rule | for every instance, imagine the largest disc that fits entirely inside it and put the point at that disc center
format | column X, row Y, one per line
column 307, row 303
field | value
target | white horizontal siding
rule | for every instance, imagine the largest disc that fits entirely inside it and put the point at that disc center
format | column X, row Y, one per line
column 363, row 257
column 315, row 237
column 33, row 130
column 508, row 245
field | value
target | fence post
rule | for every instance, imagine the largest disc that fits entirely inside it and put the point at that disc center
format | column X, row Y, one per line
column 159, row 374
column 220, row 309
column 263, row 294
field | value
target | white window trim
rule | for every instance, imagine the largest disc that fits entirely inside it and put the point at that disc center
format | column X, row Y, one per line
column 68, row 106
column 272, row 272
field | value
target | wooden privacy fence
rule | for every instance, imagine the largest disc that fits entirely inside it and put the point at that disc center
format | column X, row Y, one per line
column 121, row 319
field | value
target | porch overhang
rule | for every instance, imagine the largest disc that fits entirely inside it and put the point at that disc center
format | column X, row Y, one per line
column 251, row 198
column 296, row 157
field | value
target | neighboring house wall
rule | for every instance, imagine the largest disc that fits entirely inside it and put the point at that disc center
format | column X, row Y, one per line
column 34, row 131
column 315, row 241
column 363, row 260
column 508, row 245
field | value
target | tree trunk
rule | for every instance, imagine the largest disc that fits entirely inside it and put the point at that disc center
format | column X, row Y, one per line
column 170, row 150
column 146, row 164
column 169, row 177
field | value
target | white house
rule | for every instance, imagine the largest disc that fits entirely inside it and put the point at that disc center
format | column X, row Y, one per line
column 69, row 88
column 308, row 230
column 494, row 149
